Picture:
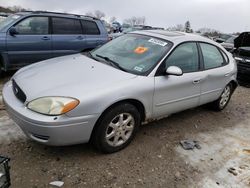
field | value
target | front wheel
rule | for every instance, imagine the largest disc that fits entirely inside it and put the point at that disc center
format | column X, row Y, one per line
column 117, row 128
column 224, row 99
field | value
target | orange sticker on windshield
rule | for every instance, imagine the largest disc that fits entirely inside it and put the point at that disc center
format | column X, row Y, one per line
column 140, row 50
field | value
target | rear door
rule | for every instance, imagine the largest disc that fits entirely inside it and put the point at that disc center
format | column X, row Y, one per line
column 92, row 34
column 216, row 72
column 67, row 36
column 32, row 43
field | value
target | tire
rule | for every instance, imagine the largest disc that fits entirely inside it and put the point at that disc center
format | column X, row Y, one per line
column 1, row 67
column 116, row 128
column 224, row 99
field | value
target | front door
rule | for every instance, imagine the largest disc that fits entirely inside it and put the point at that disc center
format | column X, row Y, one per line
column 177, row 93
column 32, row 43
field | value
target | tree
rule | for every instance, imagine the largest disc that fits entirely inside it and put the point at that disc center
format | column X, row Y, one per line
column 178, row 27
column 188, row 27
column 99, row 14
column 112, row 19
column 90, row 14
column 208, row 32
column 135, row 21
column 142, row 20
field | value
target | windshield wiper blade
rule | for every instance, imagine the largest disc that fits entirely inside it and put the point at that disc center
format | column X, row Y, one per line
column 111, row 62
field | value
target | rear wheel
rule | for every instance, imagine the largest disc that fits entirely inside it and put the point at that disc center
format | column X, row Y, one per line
column 224, row 99
column 117, row 128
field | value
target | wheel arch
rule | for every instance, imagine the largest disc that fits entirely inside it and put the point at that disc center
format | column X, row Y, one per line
column 234, row 84
column 138, row 104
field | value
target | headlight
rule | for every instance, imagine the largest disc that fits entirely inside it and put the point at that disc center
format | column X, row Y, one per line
column 53, row 105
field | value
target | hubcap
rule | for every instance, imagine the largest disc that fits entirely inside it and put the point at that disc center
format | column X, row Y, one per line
column 120, row 129
column 225, row 96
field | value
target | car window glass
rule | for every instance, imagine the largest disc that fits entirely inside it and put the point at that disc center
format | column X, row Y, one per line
column 33, row 26
column 211, row 55
column 65, row 26
column 225, row 56
column 90, row 28
column 185, row 57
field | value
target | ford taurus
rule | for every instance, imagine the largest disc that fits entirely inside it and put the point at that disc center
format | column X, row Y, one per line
column 104, row 96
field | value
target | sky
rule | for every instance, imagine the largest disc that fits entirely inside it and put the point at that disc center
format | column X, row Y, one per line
column 227, row 16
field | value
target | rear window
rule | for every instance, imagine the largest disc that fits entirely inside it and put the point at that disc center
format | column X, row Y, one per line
column 90, row 28
column 66, row 26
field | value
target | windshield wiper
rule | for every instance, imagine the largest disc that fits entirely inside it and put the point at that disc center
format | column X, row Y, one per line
column 111, row 62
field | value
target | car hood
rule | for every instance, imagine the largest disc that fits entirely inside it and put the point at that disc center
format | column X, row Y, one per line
column 243, row 40
column 73, row 76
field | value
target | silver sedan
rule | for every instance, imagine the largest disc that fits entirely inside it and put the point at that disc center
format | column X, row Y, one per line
column 104, row 96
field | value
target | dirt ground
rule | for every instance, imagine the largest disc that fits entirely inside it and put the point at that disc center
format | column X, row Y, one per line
column 154, row 159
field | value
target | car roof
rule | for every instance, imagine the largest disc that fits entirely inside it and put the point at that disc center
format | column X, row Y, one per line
column 57, row 14
column 175, row 36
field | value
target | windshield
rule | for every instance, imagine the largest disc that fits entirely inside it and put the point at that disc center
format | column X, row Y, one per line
column 225, row 36
column 8, row 21
column 134, row 53
column 230, row 40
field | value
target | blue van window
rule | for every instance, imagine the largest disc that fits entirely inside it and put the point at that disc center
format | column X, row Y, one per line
column 33, row 26
column 90, row 28
column 66, row 26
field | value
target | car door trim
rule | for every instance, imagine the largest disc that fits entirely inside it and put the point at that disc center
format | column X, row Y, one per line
column 178, row 100
column 212, row 91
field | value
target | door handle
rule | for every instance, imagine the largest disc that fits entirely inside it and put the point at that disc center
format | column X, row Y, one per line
column 196, row 81
column 227, row 74
column 45, row 38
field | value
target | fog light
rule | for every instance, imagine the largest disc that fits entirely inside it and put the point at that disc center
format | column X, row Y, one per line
column 4, row 172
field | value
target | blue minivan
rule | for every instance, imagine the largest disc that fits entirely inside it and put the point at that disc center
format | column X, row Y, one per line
column 29, row 37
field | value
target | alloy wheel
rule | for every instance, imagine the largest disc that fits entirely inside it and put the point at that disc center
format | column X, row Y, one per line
column 225, row 96
column 120, row 129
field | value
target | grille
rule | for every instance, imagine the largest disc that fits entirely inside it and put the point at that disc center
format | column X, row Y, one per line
column 18, row 92
column 243, row 64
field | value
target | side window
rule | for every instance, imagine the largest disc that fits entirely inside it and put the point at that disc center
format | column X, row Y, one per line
column 225, row 57
column 33, row 26
column 90, row 28
column 212, row 56
column 185, row 57
column 66, row 26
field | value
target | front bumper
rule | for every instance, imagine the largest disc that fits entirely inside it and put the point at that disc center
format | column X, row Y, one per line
column 49, row 130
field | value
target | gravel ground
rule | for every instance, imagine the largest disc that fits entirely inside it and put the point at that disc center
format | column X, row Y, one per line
column 153, row 159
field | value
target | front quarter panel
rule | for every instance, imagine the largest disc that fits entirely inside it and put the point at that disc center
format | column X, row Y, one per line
column 139, row 88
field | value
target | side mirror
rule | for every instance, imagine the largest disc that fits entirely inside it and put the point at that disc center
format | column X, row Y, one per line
column 173, row 70
column 13, row 31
